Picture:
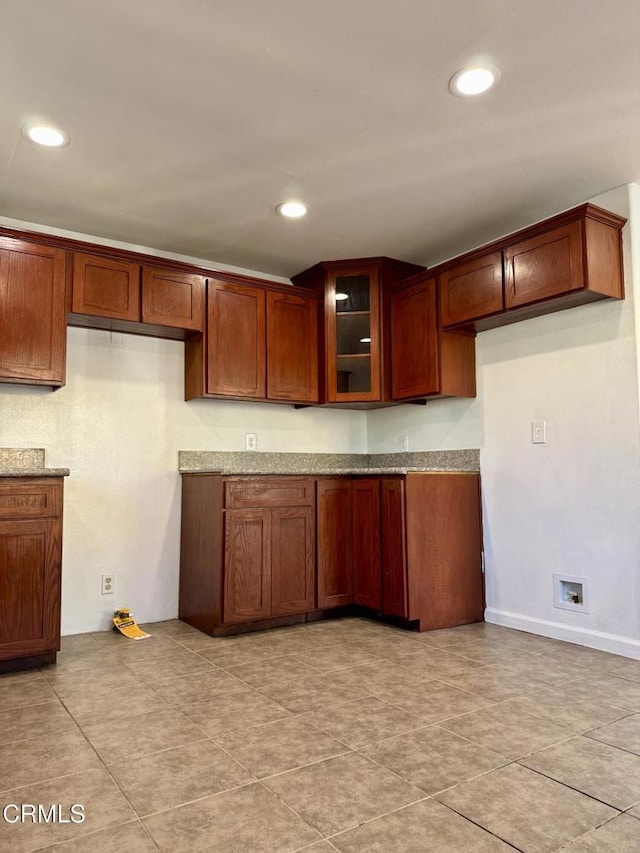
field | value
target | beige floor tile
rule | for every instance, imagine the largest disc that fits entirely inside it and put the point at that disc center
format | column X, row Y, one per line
column 432, row 758
column 212, row 825
column 596, row 660
column 171, row 666
column 313, row 693
column 628, row 669
column 88, row 657
column 199, row 686
column 42, row 758
column 433, row 701
column 335, row 658
column 104, row 806
column 131, row 837
column 170, row 628
column 433, row 663
column 90, row 707
column 320, row 847
column 237, row 711
column 550, row 671
column 283, row 745
column 535, row 814
column 425, row 827
column 270, row 671
column 625, row 734
column 77, row 642
column 22, row 676
column 135, row 736
column 464, row 634
column 34, row 721
column 110, row 637
column 176, row 776
column 570, row 712
column 107, row 677
column 19, row 694
column 363, row 721
column 143, row 650
column 620, row 835
column 635, row 811
column 342, row 792
column 227, row 654
column 488, row 654
column 508, row 732
column 497, row 682
column 597, row 769
column 373, row 677
column 387, row 647
column 196, row 641
column 606, row 688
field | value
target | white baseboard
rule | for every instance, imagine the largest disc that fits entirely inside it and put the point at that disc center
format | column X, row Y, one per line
column 570, row 633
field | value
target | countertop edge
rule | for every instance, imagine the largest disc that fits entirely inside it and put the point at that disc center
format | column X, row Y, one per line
column 34, row 472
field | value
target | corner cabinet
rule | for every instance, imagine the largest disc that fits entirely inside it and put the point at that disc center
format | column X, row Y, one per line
column 30, row 570
column 33, row 329
column 260, row 343
column 264, row 551
column 357, row 341
column 426, row 361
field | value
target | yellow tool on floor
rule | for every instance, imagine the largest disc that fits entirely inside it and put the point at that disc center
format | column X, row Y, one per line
column 124, row 622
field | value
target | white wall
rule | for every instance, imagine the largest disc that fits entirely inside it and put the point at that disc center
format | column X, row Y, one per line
column 118, row 425
column 572, row 505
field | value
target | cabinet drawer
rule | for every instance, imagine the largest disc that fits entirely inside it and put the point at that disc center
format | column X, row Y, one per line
column 280, row 491
column 19, row 499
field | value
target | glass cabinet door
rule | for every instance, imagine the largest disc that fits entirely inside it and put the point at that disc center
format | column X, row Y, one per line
column 353, row 365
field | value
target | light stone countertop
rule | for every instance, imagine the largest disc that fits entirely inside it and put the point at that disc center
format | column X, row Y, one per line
column 26, row 462
column 327, row 464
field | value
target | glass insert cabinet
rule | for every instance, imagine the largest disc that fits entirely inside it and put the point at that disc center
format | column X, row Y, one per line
column 356, row 295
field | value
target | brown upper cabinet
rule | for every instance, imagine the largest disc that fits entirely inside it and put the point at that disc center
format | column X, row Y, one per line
column 131, row 297
column 569, row 260
column 260, row 344
column 171, row 298
column 425, row 361
column 356, row 322
column 32, row 313
column 103, row 287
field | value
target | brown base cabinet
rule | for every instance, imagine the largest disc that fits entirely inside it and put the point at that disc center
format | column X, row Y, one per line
column 30, row 569
column 263, row 551
column 247, row 550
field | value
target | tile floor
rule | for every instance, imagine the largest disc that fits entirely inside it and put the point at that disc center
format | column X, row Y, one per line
column 345, row 735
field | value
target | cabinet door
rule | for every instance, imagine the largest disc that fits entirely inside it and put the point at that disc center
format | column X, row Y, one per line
column 394, row 564
column 334, row 542
column 292, row 348
column 29, row 587
column 105, row 288
column 544, row 266
column 247, row 565
column 352, row 336
column 414, row 342
column 292, row 560
column 471, row 290
column 236, row 340
column 367, row 580
column 172, row 298
column 32, row 313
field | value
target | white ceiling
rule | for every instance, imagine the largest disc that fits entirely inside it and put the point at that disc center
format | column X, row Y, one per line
column 191, row 120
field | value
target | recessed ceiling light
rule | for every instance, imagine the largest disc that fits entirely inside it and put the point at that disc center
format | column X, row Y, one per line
column 473, row 80
column 292, row 209
column 340, row 297
column 44, row 134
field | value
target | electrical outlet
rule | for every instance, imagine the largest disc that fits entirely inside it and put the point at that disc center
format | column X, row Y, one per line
column 251, row 441
column 108, row 584
column 404, row 443
column 538, row 432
